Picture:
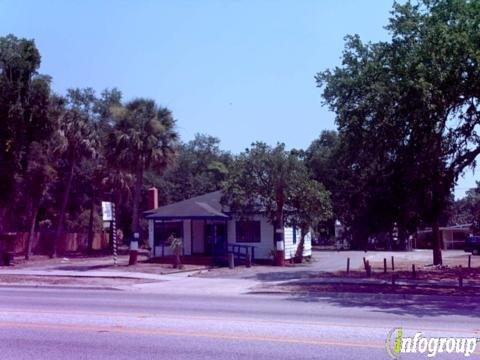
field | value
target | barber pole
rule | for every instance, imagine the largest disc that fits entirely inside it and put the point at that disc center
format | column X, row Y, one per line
column 114, row 235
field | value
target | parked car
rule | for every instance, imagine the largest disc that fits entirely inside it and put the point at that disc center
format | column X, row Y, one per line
column 472, row 244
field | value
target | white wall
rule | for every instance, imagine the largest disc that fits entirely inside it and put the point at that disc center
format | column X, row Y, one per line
column 265, row 246
column 291, row 248
column 307, row 248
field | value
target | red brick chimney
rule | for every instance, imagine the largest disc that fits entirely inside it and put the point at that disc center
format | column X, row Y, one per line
column 152, row 198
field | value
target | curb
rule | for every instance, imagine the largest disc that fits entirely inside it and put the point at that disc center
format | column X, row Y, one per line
column 121, row 275
column 84, row 276
column 56, row 287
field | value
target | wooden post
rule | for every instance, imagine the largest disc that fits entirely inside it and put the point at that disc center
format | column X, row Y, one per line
column 460, row 277
column 385, row 265
column 469, row 261
column 248, row 260
column 414, row 272
column 368, row 268
column 231, row 261
column 348, row 266
column 393, row 264
column 364, row 263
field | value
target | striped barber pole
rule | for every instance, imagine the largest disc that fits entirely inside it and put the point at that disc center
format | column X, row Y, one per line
column 114, row 235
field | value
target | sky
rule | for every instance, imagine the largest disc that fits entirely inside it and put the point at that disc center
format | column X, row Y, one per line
column 239, row 70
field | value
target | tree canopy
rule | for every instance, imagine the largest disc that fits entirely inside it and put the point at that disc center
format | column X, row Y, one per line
column 277, row 182
column 60, row 155
column 407, row 110
column 199, row 167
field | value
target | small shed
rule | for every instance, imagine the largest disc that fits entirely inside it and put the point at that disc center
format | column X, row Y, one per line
column 452, row 237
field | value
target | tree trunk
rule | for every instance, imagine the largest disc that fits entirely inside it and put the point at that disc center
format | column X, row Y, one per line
column 31, row 235
column 90, row 227
column 301, row 246
column 3, row 213
column 438, row 193
column 137, row 192
column 278, row 235
column 436, row 244
column 135, row 219
column 63, row 210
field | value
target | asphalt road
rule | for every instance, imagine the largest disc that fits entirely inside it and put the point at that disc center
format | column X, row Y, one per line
column 95, row 324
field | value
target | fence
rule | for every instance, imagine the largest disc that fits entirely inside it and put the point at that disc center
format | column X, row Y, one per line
column 43, row 242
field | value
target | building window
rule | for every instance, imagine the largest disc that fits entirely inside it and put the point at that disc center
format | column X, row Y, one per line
column 248, row 231
column 163, row 230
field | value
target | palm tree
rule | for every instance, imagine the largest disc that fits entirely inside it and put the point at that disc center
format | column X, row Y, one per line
column 144, row 138
column 40, row 176
column 122, row 182
column 80, row 141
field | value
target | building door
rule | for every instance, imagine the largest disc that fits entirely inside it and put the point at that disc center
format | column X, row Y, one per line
column 215, row 238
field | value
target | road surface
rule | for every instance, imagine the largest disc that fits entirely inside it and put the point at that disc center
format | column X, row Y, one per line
column 96, row 324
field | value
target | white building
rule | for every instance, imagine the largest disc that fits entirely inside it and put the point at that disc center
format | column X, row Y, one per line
column 207, row 229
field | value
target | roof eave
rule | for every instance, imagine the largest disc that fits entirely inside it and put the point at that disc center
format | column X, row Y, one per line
column 187, row 217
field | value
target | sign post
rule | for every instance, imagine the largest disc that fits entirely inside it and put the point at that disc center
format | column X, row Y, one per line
column 108, row 214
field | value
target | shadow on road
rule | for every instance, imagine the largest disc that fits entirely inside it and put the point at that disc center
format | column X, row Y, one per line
column 416, row 305
column 81, row 267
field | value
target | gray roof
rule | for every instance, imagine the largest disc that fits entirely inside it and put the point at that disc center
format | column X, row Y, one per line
column 205, row 206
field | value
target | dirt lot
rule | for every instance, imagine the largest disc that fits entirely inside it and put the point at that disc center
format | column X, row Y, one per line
column 453, row 267
column 84, row 263
column 330, row 266
column 333, row 263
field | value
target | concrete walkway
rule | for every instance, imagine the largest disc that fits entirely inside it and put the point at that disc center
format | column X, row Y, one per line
column 177, row 283
column 185, row 285
column 89, row 273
